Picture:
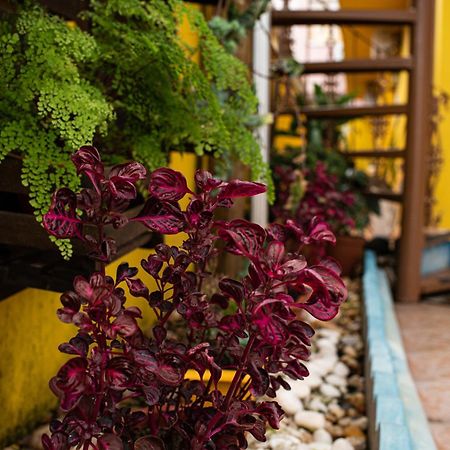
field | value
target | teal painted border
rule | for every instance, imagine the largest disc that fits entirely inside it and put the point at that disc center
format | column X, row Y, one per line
column 435, row 258
column 396, row 410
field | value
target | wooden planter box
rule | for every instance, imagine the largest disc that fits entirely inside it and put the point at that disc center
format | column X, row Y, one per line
column 27, row 256
column 19, row 227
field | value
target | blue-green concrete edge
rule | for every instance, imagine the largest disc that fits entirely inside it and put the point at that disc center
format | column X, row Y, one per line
column 401, row 423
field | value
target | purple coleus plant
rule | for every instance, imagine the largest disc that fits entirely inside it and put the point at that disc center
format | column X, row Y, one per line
column 127, row 389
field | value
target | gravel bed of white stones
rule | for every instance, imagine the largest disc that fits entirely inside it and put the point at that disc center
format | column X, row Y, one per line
column 326, row 410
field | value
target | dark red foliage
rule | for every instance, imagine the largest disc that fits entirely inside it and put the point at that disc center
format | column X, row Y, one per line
column 124, row 389
column 326, row 202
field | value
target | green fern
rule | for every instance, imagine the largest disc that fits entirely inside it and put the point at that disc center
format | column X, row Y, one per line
column 129, row 86
column 47, row 108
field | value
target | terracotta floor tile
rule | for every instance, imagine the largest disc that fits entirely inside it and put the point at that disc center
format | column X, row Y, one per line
column 435, row 396
column 441, row 434
column 426, row 340
column 425, row 329
column 429, row 365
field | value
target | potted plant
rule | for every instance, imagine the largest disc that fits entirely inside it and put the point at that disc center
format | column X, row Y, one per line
column 128, row 83
column 123, row 389
column 317, row 180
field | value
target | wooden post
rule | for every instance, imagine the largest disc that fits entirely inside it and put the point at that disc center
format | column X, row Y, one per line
column 418, row 146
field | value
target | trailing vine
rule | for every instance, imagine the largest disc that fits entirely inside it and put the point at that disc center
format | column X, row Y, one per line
column 130, row 85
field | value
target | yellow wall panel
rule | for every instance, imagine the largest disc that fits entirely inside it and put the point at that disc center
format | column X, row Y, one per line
column 442, row 82
column 31, row 333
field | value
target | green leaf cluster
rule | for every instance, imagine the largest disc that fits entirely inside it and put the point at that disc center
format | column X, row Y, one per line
column 130, row 85
column 48, row 108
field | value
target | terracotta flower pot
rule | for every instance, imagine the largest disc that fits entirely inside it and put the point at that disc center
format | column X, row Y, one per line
column 348, row 251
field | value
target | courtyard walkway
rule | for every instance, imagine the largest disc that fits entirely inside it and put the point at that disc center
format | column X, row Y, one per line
column 425, row 329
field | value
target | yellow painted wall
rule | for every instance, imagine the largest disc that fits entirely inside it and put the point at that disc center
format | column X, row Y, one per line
column 357, row 41
column 186, row 163
column 31, row 332
column 442, row 82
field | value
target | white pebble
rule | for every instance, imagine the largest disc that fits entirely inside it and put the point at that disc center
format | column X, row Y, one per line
column 341, row 370
column 322, row 436
column 342, row 444
column 325, row 364
column 289, row 402
column 330, row 334
column 336, row 410
column 313, row 381
column 310, row 420
column 329, row 391
column 336, row 380
column 326, row 344
column 319, row 446
column 317, row 405
column 300, row 389
column 283, row 442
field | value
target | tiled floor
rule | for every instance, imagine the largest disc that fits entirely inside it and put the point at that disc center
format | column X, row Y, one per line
column 425, row 329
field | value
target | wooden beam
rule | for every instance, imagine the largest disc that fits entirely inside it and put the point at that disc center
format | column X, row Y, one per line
column 378, row 153
column 203, row 2
column 7, row 6
column 386, row 195
column 337, row 112
column 69, row 9
column 359, row 65
column 418, row 147
column 344, row 17
column 436, row 282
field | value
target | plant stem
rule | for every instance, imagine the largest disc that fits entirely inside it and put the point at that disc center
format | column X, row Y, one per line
column 237, row 376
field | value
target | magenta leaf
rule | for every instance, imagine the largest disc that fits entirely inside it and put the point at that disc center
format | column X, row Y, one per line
column 242, row 237
column 125, row 325
column 58, row 441
column 238, row 188
column 272, row 412
column 319, row 231
column 260, row 380
column 145, row 358
column 110, row 441
column 152, row 394
column 87, row 159
column 161, row 217
column 78, row 345
column 61, row 220
column 232, row 288
column 275, row 253
column 125, row 271
column 295, row 370
column 71, row 382
column 137, row 287
column 152, row 265
column 118, row 373
column 331, row 264
column 149, row 443
column 167, row 184
column 169, row 372
column 205, row 182
column 132, row 171
column 121, row 189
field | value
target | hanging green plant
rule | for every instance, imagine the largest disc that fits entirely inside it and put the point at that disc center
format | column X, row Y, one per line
column 48, row 107
column 129, row 84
